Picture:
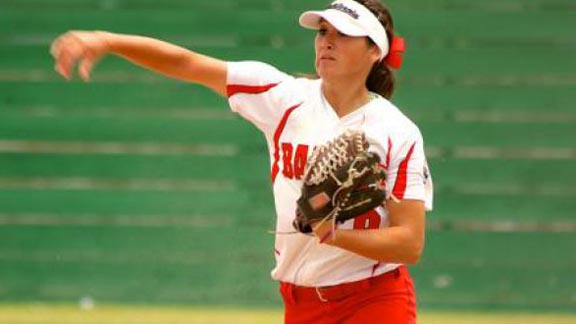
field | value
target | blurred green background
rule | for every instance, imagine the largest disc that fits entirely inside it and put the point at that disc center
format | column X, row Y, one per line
column 139, row 189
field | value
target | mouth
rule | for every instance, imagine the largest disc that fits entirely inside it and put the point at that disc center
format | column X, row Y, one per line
column 327, row 58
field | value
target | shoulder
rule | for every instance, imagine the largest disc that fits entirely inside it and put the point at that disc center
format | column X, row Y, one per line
column 253, row 72
column 391, row 118
column 264, row 76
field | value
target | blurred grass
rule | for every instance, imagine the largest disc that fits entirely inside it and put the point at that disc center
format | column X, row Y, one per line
column 88, row 314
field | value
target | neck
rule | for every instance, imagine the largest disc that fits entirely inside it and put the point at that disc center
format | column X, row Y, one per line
column 346, row 96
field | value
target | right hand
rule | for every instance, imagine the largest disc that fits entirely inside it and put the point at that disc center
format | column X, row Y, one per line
column 86, row 47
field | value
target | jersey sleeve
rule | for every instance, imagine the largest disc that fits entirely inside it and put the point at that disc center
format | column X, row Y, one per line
column 408, row 175
column 259, row 92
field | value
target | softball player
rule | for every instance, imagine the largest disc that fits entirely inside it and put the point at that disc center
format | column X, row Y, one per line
column 356, row 273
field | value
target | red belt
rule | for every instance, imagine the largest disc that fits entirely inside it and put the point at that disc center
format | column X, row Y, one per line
column 296, row 293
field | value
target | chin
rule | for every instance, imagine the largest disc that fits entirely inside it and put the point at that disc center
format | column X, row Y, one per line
column 330, row 75
column 325, row 73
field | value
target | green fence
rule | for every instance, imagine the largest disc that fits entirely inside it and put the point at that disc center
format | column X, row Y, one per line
column 135, row 188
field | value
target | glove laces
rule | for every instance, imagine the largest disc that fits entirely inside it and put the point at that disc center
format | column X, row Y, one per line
column 318, row 171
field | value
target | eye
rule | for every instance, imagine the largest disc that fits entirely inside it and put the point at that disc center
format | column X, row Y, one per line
column 322, row 31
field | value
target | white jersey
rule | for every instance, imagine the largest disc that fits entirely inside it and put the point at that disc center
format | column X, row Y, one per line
column 295, row 117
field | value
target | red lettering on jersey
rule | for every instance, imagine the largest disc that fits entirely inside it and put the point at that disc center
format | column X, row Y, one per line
column 368, row 220
column 287, row 160
column 277, row 134
column 294, row 162
column 300, row 160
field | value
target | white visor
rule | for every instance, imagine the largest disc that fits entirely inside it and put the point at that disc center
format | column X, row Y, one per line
column 350, row 18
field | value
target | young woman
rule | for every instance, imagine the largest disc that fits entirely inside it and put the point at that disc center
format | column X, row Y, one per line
column 356, row 274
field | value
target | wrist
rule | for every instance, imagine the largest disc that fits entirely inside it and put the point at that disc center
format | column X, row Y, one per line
column 105, row 40
column 327, row 236
column 325, row 232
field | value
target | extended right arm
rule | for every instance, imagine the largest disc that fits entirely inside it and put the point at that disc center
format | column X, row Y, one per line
column 86, row 48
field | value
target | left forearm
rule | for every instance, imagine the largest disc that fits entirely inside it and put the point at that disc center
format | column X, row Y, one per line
column 391, row 244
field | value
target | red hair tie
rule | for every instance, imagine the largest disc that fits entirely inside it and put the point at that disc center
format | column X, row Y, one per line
column 394, row 58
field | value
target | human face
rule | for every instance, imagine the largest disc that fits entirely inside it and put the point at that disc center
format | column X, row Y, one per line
column 339, row 56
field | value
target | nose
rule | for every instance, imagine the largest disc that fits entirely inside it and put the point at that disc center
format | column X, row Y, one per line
column 327, row 41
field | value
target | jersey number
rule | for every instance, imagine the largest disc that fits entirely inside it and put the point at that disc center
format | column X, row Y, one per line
column 294, row 162
column 368, row 220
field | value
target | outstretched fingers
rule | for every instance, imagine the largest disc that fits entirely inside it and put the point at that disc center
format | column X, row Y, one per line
column 67, row 50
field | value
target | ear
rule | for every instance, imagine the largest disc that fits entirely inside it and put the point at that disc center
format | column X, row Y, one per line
column 374, row 53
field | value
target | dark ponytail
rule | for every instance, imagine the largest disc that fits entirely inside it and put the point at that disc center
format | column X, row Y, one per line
column 381, row 79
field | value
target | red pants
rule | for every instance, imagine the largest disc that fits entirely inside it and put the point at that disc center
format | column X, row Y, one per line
column 386, row 299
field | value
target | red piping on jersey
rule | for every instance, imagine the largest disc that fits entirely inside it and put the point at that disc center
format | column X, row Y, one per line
column 277, row 134
column 233, row 89
column 401, row 177
column 388, row 153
